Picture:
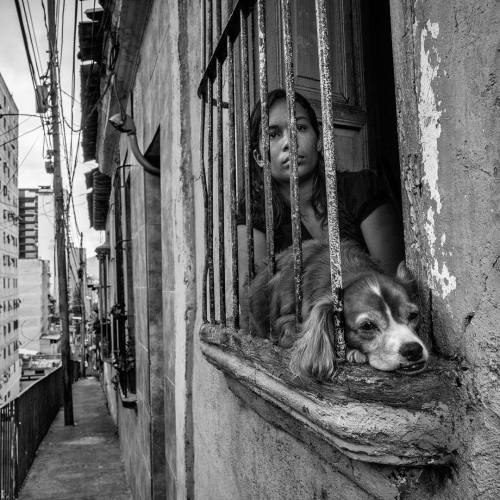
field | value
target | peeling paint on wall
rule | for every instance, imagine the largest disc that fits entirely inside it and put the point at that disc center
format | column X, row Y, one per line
column 429, row 113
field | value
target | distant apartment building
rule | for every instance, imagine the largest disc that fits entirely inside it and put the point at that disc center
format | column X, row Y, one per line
column 36, row 219
column 34, row 308
column 10, row 370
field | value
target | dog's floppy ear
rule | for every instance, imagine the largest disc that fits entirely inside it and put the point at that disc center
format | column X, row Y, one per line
column 313, row 354
column 406, row 278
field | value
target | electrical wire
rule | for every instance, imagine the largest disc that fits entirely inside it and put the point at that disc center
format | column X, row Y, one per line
column 15, row 126
column 16, row 138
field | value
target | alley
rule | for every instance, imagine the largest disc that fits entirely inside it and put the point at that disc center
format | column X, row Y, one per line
column 80, row 461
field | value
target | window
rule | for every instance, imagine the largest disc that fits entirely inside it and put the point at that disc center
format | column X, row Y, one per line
column 359, row 119
column 122, row 325
column 363, row 112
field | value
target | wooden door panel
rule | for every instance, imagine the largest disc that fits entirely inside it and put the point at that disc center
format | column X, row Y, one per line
column 347, row 70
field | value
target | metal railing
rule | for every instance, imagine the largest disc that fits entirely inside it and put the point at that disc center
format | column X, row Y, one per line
column 24, row 422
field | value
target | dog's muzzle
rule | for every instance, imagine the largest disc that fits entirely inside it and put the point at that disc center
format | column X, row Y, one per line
column 416, row 356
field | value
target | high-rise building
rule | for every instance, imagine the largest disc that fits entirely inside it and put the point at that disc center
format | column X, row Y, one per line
column 34, row 307
column 36, row 217
column 10, row 369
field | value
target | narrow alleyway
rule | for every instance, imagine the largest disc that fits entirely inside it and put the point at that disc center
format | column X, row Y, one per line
column 81, row 461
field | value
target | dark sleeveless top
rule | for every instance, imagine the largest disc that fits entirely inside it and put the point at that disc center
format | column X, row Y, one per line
column 359, row 194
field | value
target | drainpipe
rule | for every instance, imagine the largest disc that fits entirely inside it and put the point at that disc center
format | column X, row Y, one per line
column 125, row 124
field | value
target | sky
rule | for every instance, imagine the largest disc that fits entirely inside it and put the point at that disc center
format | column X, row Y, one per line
column 15, row 71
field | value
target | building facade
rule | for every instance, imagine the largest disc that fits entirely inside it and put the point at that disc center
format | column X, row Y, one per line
column 10, row 370
column 36, row 218
column 34, row 288
column 205, row 412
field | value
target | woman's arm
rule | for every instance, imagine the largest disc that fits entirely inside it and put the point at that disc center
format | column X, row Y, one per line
column 383, row 236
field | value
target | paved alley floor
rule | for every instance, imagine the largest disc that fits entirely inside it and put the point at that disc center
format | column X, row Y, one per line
column 81, row 461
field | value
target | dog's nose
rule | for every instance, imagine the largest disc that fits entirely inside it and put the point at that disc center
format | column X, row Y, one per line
column 412, row 351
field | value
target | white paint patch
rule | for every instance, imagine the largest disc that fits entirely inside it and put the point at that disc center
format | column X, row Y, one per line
column 444, row 278
column 429, row 116
column 429, row 229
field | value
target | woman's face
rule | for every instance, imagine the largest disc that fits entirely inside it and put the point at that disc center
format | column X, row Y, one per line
column 308, row 144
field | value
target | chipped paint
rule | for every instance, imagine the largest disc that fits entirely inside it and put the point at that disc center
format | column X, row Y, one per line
column 429, row 229
column 444, row 278
column 429, row 112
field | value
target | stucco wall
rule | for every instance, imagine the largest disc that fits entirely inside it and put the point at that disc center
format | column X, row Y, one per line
column 450, row 51
column 215, row 446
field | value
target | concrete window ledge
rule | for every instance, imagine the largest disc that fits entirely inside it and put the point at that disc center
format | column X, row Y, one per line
column 129, row 401
column 368, row 415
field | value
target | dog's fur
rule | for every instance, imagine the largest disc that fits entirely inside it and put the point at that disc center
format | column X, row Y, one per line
column 380, row 315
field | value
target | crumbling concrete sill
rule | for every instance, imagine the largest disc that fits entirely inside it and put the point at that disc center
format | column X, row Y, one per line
column 368, row 415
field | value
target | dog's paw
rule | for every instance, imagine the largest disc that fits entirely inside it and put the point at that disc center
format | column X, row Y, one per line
column 355, row 356
column 288, row 336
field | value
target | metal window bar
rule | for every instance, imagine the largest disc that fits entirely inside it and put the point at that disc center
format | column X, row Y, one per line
column 245, row 97
column 292, row 144
column 232, row 185
column 330, row 174
column 263, row 91
column 220, row 176
column 237, row 27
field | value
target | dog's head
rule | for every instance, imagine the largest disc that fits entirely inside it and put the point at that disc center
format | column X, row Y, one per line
column 381, row 318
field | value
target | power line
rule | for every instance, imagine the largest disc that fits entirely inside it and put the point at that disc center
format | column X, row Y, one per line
column 25, row 133
column 17, row 125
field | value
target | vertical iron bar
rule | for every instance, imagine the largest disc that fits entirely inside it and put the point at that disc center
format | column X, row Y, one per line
column 330, row 173
column 232, row 180
column 210, row 211
column 245, row 95
column 264, row 139
column 294, row 166
column 202, row 166
column 220, row 178
column 205, row 203
column 210, row 139
column 261, row 25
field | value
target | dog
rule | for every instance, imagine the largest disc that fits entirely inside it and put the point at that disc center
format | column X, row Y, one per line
column 380, row 314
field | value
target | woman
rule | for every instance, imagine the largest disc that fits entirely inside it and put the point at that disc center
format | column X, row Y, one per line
column 365, row 213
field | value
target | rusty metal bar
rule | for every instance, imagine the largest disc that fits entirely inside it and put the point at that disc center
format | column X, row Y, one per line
column 246, row 143
column 330, row 173
column 209, row 33
column 210, row 208
column 264, row 135
column 231, row 30
column 232, row 184
column 210, row 174
column 205, row 204
column 220, row 179
column 204, row 48
column 294, row 166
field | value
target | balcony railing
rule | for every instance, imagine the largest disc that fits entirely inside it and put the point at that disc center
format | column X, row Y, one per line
column 24, row 422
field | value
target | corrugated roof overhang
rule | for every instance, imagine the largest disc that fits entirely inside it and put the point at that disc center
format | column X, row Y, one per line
column 98, row 199
column 90, row 86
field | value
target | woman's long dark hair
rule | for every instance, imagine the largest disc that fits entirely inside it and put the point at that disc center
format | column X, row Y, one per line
column 280, row 204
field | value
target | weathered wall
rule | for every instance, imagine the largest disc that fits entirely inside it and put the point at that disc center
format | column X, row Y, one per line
column 215, row 446
column 446, row 58
column 141, row 428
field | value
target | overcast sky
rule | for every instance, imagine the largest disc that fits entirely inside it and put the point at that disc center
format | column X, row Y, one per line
column 15, row 71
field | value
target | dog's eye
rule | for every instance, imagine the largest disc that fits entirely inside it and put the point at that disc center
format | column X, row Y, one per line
column 368, row 326
column 412, row 316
